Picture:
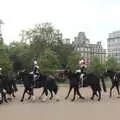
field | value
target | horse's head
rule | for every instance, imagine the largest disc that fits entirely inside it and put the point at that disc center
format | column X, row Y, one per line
column 67, row 72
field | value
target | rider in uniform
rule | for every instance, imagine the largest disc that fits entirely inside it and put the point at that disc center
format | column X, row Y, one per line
column 0, row 73
column 83, row 71
column 35, row 70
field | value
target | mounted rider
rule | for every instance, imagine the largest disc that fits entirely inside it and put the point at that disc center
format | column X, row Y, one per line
column 35, row 70
column 0, row 73
column 83, row 65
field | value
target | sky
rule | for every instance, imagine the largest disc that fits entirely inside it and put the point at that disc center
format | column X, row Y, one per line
column 97, row 18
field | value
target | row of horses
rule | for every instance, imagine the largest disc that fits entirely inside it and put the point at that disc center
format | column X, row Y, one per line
column 49, row 83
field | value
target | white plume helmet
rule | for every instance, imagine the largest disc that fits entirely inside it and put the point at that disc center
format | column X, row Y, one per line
column 0, row 69
column 35, row 62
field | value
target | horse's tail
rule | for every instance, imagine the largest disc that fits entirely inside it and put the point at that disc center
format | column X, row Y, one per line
column 103, row 84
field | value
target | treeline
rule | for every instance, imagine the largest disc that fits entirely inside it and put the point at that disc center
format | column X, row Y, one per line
column 46, row 44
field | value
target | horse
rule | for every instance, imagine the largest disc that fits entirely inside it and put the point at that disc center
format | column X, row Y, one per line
column 90, row 79
column 115, row 79
column 7, row 87
column 73, row 84
column 42, row 81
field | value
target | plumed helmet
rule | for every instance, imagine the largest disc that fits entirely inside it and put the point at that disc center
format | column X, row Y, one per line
column 35, row 62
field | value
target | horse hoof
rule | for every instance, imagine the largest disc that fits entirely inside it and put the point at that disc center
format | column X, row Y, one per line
column 57, row 100
column 1, row 101
column 72, row 100
column 21, row 100
column 10, row 99
column 50, row 98
column 6, row 101
column 40, row 98
column 66, row 98
column 82, row 98
column 91, row 98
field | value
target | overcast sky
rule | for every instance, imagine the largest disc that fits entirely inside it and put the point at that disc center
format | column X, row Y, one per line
column 97, row 18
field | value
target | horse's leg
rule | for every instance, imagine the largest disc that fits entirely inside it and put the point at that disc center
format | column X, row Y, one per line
column 93, row 94
column 25, row 90
column 99, row 98
column 75, row 90
column 4, row 97
column 1, row 101
column 42, row 94
column 117, row 87
column 13, row 95
column 70, row 88
column 96, row 94
column 46, row 91
column 78, row 93
column 9, row 97
column 30, row 95
column 111, row 90
column 51, row 94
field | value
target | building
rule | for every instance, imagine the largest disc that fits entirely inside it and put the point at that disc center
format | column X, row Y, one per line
column 87, row 50
column 113, row 45
column 66, row 41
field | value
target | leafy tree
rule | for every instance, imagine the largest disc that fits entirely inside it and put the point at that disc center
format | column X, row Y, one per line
column 41, row 37
column 73, row 60
column 48, row 61
column 96, row 66
column 111, row 63
column 5, row 63
column 19, row 55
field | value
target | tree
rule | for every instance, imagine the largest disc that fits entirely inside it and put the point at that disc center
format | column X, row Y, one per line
column 111, row 63
column 48, row 61
column 5, row 63
column 73, row 60
column 95, row 66
column 42, row 36
column 19, row 55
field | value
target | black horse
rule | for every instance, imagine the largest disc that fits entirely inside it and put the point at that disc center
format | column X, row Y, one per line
column 7, row 86
column 90, row 79
column 74, row 79
column 115, row 79
column 43, row 81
